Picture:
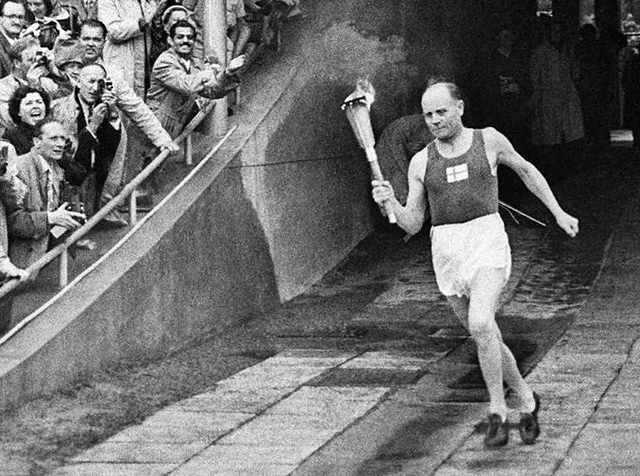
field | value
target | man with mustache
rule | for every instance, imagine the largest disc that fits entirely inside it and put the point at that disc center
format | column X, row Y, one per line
column 179, row 79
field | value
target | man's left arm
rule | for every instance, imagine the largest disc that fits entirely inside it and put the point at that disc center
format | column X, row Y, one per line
column 499, row 147
column 137, row 111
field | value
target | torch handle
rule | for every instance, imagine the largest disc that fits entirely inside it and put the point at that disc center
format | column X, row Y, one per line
column 372, row 157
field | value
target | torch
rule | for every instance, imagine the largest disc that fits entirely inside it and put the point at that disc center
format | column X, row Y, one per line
column 357, row 106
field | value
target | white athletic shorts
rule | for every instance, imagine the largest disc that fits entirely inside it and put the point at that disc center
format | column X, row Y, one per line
column 460, row 249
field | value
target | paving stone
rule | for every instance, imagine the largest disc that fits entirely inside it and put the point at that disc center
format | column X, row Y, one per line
column 307, row 361
column 387, row 360
column 259, row 377
column 140, row 452
column 105, row 469
column 176, row 416
column 193, row 468
column 243, row 456
column 396, row 433
column 329, row 402
column 177, row 434
column 250, row 400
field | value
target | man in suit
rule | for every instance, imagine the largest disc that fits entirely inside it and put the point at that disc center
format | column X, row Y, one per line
column 12, row 19
column 93, row 117
column 147, row 128
column 179, row 78
column 39, row 209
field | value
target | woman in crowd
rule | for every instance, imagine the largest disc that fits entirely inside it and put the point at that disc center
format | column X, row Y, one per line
column 27, row 106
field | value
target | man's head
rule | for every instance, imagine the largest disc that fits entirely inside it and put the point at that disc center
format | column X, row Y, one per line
column 50, row 139
column 172, row 15
column 28, row 105
column 182, row 37
column 12, row 17
column 442, row 108
column 24, row 54
column 40, row 8
column 69, row 57
column 90, row 83
column 93, row 34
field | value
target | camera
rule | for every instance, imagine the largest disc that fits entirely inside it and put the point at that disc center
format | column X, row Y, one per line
column 4, row 160
column 77, row 207
column 104, row 85
column 41, row 59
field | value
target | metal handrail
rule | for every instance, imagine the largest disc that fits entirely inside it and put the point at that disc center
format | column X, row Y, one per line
column 128, row 191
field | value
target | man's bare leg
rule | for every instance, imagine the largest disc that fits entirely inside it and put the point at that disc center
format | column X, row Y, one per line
column 510, row 372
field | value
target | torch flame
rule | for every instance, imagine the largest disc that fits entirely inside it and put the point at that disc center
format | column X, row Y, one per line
column 364, row 92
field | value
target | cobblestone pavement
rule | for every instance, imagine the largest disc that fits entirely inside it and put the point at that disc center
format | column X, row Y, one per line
column 394, row 387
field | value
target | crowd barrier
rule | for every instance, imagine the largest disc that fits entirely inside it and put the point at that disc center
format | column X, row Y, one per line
column 128, row 192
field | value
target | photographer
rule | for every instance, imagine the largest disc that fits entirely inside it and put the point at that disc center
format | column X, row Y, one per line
column 94, row 118
column 39, row 210
column 32, row 66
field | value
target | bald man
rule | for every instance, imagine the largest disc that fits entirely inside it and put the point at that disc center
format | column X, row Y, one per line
column 470, row 248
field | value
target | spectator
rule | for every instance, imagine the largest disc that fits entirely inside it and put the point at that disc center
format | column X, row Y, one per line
column 81, row 9
column 12, row 21
column 398, row 143
column 72, row 13
column 631, row 86
column 27, row 107
column 43, row 27
column 128, row 40
column 593, row 66
column 111, row 145
column 178, row 79
column 93, row 118
column 507, row 108
column 68, row 56
column 40, row 210
column 237, row 28
column 557, row 113
column 31, row 67
column 8, row 201
column 148, row 128
column 160, row 32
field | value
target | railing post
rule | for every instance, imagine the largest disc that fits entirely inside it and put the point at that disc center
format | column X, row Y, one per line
column 133, row 207
column 215, row 43
column 64, row 268
column 188, row 150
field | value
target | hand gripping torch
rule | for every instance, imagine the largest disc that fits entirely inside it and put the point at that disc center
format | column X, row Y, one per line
column 357, row 106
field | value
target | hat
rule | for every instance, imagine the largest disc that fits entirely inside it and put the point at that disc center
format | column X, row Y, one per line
column 68, row 51
column 167, row 13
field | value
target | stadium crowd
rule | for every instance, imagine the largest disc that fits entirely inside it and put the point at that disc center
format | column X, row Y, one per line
column 89, row 89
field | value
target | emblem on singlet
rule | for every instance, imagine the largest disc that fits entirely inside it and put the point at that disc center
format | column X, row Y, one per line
column 457, row 173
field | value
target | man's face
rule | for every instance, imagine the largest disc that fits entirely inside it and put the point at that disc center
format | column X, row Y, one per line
column 174, row 18
column 442, row 113
column 29, row 57
column 92, row 41
column 12, row 19
column 182, row 41
column 51, row 142
column 72, row 69
column 37, row 7
column 89, row 83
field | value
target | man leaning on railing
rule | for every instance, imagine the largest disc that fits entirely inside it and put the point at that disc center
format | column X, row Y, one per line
column 180, row 81
column 126, row 101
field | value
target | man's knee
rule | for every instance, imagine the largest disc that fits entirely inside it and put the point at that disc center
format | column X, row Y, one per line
column 483, row 329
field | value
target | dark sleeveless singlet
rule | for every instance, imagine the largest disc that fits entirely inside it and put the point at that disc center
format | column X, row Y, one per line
column 460, row 188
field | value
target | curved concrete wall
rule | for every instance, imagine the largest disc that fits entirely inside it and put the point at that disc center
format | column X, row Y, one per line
column 282, row 202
